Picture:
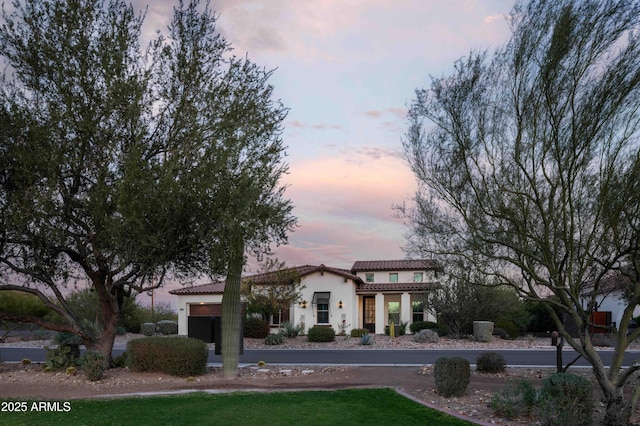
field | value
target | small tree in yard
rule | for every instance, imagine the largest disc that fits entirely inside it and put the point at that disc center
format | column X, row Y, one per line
column 530, row 174
column 122, row 165
column 273, row 290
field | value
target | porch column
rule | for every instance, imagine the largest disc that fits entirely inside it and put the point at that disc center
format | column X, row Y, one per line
column 406, row 309
column 380, row 313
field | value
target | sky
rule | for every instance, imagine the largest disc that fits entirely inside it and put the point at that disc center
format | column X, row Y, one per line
column 347, row 70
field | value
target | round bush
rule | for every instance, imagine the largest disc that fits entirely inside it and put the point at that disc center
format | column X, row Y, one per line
column 358, row 332
column 255, row 328
column 490, row 362
column 321, row 334
column 168, row 327
column 274, row 339
column 452, row 376
column 148, row 328
column 565, row 399
column 426, row 336
column 516, row 400
column 422, row 325
column 93, row 364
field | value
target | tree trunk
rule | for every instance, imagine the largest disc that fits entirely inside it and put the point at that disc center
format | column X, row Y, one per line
column 231, row 310
column 618, row 410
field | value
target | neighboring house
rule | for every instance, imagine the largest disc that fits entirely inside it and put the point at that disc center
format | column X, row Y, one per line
column 611, row 301
column 369, row 295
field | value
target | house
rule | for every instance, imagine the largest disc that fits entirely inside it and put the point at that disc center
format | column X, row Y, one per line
column 371, row 295
column 610, row 301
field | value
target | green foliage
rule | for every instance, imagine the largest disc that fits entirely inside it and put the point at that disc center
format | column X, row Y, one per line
column 148, row 328
column 426, row 335
column 290, row 330
column 490, row 362
column 60, row 358
column 366, row 339
column 275, row 288
column 399, row 329
column 422, row 325
column 509, row 327
column 358, row 332
column 67, row 338
column 17, row 302
column 321, row 334
column 540, row 319
column 120, row 331
column 566, row 398
column 178, row 356
column 71, row 371
column 168, row 327
column 274, row 339
column 25, row 361
column 93, row 365
column 516, row 400
column 255, row 328
column 121, row 361
column 452, row 376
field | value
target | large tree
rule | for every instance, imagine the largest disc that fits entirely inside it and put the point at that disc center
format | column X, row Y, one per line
column 122, row 165
column 528, row 164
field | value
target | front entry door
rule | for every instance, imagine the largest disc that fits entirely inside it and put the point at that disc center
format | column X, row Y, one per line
column 369, row 313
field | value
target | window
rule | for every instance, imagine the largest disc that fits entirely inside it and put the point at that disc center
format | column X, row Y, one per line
column 323, row 313
column 394, row 312
column 368, row 277
column 321, row 300
column 418, row 311
column 393, row 277
column 418, row 277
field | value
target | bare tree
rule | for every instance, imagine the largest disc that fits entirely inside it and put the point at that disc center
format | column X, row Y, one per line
column 528, row 164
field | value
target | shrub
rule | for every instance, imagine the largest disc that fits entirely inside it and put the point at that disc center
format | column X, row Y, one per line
column 426, row 336
column 291, row 330
column 452, row 376
column 566, row 398
column 274, row 339
column 501, row 333
column 358, row 332
column 71, row 371
column 60, row 358
column 490, row 362
column 148, row 329
column 175, row 355
column 399, row 329
column 516, row 400
column 255, row 328
column 121, row 361
column 121, row 331
column 321, row 334
column 25, row 361
column 366, row 339
column 509, row 327
column 168, row 327
column 67, row 338
column 93, row 365
column 41, row 335
column 422, row 325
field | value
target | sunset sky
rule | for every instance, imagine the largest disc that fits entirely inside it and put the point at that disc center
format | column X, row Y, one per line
column 348, row 71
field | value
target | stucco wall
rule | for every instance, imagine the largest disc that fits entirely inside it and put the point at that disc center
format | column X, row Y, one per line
column 183, row 307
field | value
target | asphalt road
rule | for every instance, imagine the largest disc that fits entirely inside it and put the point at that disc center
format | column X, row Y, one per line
column 400, row 357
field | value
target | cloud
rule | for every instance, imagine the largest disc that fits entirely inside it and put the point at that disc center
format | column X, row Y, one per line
column 399, row 113
column 318, row 126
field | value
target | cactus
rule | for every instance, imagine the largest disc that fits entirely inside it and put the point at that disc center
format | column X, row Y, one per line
column 365, row 339
column 392, row 330
column 93, row 365
column 71, row 371
column 25, row 361
column 452, row 376
column 61, row 357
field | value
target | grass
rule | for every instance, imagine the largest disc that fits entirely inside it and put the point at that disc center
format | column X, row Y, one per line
column 341, row 407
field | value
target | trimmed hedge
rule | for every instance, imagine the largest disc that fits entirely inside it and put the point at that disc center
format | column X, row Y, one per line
column 175, row 355
column 416, row 326
column 321, row 334
column 359, row 332
column 566, row 398
column 452, row 376
column 490, row 362
column 168, row 327
column 255, row 328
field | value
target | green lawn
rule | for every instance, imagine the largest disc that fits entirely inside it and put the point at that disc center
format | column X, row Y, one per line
column 342, row 407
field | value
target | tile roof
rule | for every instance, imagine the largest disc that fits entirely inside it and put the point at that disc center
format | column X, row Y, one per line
column 395, row 265
column 302, row 271
column 375, row 287
column 211, row 288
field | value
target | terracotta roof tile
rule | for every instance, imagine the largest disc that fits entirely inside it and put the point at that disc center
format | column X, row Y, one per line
column 268, row 277
column 369, row 287
column 395, row 265
column 211, row 288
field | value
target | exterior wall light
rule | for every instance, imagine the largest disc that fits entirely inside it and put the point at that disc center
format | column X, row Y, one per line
column 303, row 304
column 340, row 304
